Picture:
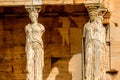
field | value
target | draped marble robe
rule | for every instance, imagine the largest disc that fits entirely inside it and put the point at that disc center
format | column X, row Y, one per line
column 95, row 48
column 34, row 47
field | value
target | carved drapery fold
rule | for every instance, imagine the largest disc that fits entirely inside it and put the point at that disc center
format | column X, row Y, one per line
column 34, row 45
column 94, row 44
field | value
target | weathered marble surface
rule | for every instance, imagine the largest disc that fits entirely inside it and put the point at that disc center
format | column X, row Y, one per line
column 34, row 46
column 95, row 47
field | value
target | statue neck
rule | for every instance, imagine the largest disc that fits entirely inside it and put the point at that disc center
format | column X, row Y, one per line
column 34, row 23
column 92, row 21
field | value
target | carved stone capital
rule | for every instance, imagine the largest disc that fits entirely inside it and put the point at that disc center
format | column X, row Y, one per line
column 92, row 9
column 33, row 8
column 96, row 7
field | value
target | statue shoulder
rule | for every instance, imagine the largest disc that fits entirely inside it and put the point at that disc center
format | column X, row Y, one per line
column 87, row 25
column 27, row 27
column 41, row 26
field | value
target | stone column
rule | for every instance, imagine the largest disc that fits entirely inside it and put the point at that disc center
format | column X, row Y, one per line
column 94, row 45
column 34, row 45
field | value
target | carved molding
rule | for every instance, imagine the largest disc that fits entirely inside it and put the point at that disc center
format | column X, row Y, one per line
column 94, row 1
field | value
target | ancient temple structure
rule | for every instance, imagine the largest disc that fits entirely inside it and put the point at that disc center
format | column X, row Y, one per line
column 59, row 39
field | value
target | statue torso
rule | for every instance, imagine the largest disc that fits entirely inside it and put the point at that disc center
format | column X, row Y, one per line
column 34, row 33
column 93, row 32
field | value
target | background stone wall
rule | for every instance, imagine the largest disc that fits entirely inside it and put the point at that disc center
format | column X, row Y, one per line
column 12, row 54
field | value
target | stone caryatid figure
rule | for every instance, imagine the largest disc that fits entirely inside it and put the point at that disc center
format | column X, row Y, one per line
column 34, row 45
column 94, row 47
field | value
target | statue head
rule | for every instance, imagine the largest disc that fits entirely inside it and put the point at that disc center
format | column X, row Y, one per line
column 33, row 15
column 100, row 19
column 33, row 12
column 93, row 15
column 93, row 12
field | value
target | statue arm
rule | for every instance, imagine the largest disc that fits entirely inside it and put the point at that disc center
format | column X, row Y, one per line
column 42, row 27
column 84, row 32
column 104, row 38
column 28, row 33
column 83, row 51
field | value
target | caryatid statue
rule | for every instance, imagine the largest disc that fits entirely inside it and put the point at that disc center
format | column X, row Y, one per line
column 34, row 45
column 94, row 47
